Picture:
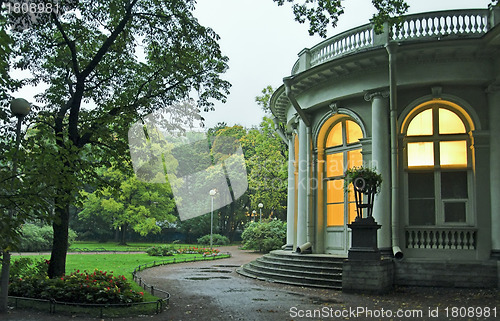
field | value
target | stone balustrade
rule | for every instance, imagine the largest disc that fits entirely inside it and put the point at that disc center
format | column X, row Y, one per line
column 430, row 26
column 454, row 238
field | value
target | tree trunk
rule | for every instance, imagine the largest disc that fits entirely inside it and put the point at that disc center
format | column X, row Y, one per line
column 5, row 282
column 123, row 234
column 57, row 265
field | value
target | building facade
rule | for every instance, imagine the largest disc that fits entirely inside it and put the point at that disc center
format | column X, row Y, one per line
column 421, row 104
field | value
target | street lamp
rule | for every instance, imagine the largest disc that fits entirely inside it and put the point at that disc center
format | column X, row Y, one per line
column 212, row 193
column 260, row 208
column 254, row 214
column 20, row 108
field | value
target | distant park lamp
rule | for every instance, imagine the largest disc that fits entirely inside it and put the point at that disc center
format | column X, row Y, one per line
column 260, row 208
column 212, row 193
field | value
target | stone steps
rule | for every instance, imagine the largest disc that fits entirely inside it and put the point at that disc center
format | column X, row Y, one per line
column 322, row 271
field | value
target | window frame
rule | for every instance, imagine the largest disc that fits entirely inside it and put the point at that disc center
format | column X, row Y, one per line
column 436, row 168
column 345, row 148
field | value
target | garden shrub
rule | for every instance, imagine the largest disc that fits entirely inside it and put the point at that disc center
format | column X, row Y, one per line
column 24, row 267
column 217, row 239
column 161, row 250
column 39, row 238
column 97, row 287
column 165, row 250
column 264, row 236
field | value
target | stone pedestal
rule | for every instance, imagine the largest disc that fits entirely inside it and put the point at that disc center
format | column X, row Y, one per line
column 364, row 271
column 364, row 239
column 370, row 276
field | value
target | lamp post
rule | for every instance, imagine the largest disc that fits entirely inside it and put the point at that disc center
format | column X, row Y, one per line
column 212, row 193
column 254, row 215
column 260, row 208
column 19, row 108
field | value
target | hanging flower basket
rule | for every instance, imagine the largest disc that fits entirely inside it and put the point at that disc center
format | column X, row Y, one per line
column 366, row 182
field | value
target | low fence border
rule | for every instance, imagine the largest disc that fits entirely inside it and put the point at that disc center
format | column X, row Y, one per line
column 161, row 303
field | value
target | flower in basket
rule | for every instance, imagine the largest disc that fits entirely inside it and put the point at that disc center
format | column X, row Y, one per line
column 364, row 179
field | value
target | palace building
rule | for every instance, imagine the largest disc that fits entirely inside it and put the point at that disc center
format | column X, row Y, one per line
column 421, row 104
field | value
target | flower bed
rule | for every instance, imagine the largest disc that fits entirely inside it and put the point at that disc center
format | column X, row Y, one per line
column 96, row 287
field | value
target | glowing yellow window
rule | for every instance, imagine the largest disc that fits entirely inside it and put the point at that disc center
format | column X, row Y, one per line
column 335, row 136
column 420, row 154
column 450, row 123
column 354, row 158
column 335, row 165
column 421, row 124
column 453, row 153
column 353, row 132
column 335, row 190
column 335, row 214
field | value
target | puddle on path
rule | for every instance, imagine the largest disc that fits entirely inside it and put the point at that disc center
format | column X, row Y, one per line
column 206, row 278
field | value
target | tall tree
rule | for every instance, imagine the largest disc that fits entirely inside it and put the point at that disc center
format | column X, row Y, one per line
column 108, row 63
column 143, row 207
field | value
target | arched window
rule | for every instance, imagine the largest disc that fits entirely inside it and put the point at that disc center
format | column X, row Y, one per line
column 438, row 166
column 343, row 151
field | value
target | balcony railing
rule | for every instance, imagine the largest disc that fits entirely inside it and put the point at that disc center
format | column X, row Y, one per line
column 452, row 238
column 441, row 25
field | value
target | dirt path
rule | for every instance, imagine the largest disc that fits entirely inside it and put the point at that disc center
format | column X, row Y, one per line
column 212, row 290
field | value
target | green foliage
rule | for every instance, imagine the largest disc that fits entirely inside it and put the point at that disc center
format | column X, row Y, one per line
column 364, row 178
column 267, row 167
column 37, row 238
column 145, row 207
column 166, row 250
column 265, row 100
column 217, row 239
column 97, row 287
column 264, row 236
column 88, row 55
column 25, row 267
column 322, row 13
column 160, row 251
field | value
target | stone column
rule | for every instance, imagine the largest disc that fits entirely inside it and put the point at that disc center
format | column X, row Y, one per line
column 290, row 207
column 381, row 153
column 494, row 111
column 302, row 204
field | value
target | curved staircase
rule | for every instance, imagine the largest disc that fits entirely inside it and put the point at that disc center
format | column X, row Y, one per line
column 312, row 270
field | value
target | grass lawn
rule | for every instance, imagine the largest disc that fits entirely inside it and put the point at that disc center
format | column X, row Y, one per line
column 119, row 264
column 114, row 246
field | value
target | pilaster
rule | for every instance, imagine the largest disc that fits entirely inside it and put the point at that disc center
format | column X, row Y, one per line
column 493, row 92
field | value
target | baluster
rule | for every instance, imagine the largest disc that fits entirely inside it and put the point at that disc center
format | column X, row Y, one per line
column 454, row 22
column 461, row 24
column 434, row 240
column 418, row 239
column 440, row 239
column 451, row 25
column 466, row 24
column 409, row 242
column 455, row 240
column 448, row 25
column 475, row 24
column 447, row 240
column 462, row 240
column 420, row 29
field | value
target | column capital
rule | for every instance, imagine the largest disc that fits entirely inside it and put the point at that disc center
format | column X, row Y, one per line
column 370, row 95
column 493, row 87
